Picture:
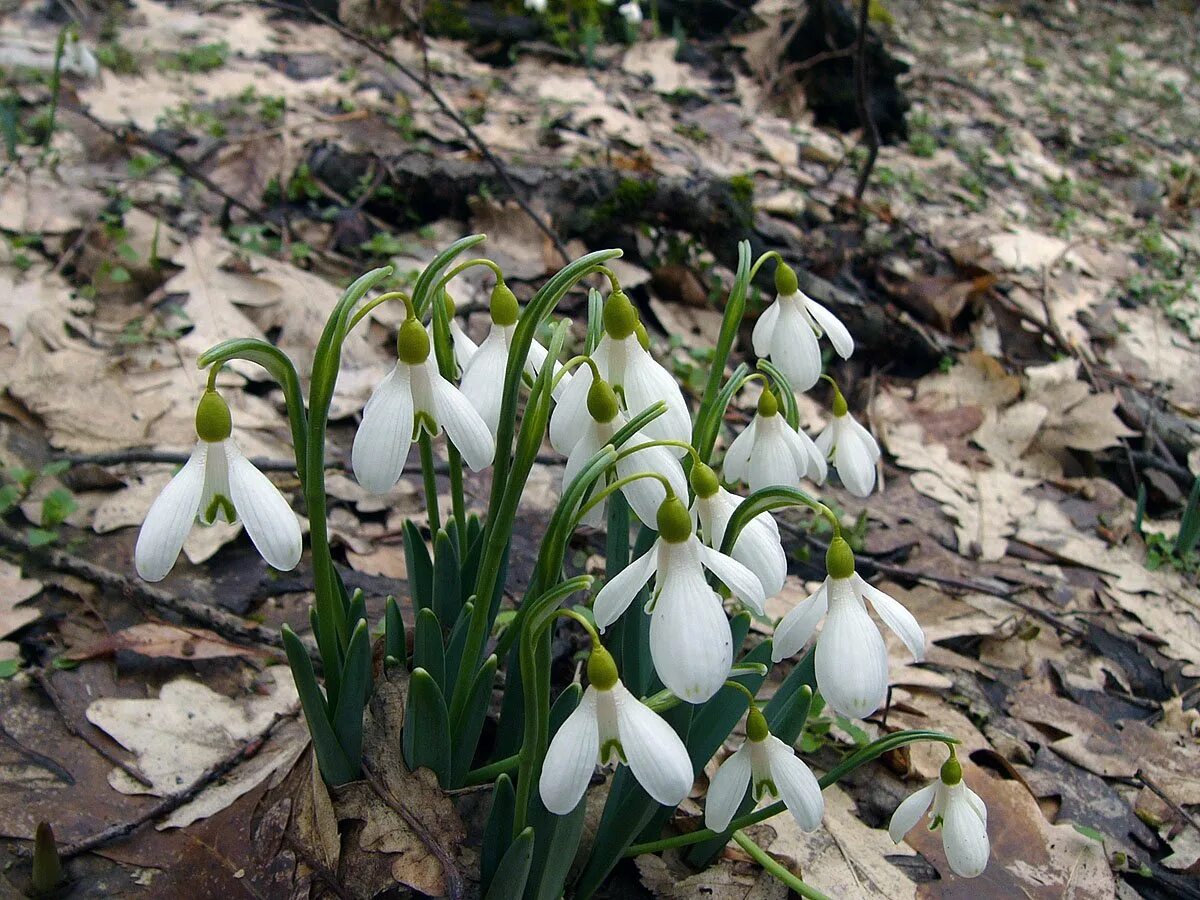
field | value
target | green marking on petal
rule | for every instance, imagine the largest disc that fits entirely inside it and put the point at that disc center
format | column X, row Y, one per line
column 220, row 503
column 609, row 747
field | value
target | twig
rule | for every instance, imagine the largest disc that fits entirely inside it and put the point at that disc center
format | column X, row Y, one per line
column 427, row 86
column 172, row 802
column 870, row 131
column 327, row 876
column 51, row 692
column 1162, row 795
column 450, row 873
column 40, row 759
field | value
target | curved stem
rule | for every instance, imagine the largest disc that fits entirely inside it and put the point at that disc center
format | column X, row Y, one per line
column 750, row 698
column 491, row 771
column 775, row 869
column 582, row 620
column 366, row 308
column 620, row 483
column 463, row 266
column 427, row 474
column 213, row 372
column 608, row 273
column 758, row 263
column 662, row 442
column 570, row 364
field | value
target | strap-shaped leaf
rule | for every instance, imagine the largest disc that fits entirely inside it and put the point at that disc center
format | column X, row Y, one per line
column 428, row 652
column 717, row 716
column 554, row 851
column 497, row 833
column 595, row 321
column 394, row 639
column 709, row 416
column 454, row 645
column 512, row 874
column 447, row 589
column 419, row 566
column 335, row 767
column 356, row 685
column 467, row 727
column 432, row 272
column 426, row 741
column 787, row 710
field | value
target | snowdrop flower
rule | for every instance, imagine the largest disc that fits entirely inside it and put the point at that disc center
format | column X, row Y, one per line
column 851, row 660
column 851, row 447
column 769, row 451
column 645, row 495
column 768, row 766
column 414, row 395
column 483, row 376
column 624, row 362
column 787, row 332
column 690, row 640
column 758, row 547
column 610, row 725
column 537, row 6
column 957, row 810
column 217, row 482
column 464, row 347
column 631, row 11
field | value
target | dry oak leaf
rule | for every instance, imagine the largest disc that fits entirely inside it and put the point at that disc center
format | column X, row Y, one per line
column 159, row 640
column 15, row 590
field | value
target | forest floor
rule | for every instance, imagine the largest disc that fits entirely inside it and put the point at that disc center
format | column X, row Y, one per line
column 1021, row 277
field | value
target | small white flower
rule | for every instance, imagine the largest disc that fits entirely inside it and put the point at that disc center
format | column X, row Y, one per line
column 624, row 363
column 538, row 6
column 464, row 347
column 851, row 659
column 788, row 329
column 758, row 547
column 645, row 495
column 690, row 640
column 217, row 482
column 610, row 725
column 853, row 450
column 769, row 451
column 414, row 394
column 770, row 767
column 631, row 11
column 958, row 811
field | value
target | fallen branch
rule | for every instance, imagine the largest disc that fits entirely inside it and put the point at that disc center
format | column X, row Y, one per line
column 861, row 101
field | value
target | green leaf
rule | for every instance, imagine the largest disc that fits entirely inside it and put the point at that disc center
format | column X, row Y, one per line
column 432, row 272
column 356, row 685
column 554, row 854
column 447, row 591
column 716, row 717
column 428, row 652
column 335, row 767
column 513, row 871
column 468, row 726
column 1089, row 832
column 394, row 639
column 709, row 416
column 497, row 833
column 419, row 566
column 454, row 646
column 9, row 667
column 426, row 739
column 40, row 537
column 595, row 321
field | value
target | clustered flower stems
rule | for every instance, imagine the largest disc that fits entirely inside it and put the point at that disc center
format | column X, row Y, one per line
column 667, row 678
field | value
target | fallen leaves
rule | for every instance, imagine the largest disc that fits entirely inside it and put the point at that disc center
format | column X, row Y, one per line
column 158, row 640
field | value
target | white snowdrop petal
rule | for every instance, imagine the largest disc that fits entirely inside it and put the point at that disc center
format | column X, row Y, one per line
column 570, row 416
column 737, row 457
column 964, row 836
column 837, row 333
column 809, row 461
column 727, row 790
column 483, row 378
column 854, row 464
column 797, row 626
column 464, row 426
column 976, row 803
column 867, row 439
column 655, row 754
column 795, row 349
column 384, row 437
column 464, row 347
column 742, row 582
column 764, row 329
column 571, row 758
column 264, row 511
column 772, row 462
column 618, row 592
column 170, row 518
column 645, row 495
column 645, row 383
column 758, row 548
column 909, row 813
column 827, row 438
column 895, row 616
column 798, row 787
column 851, row 659
column 690, row 641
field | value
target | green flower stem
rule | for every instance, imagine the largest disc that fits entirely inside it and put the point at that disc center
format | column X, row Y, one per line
column 775, row 869
column 771, row 498
column 582, row 620
column 750, row 698
column 708, row 417
column 458, row 496
column 860, row 757
column 366, row 308
column 620, row 483
column 492, row 771
column 570, row 364
column 431, row 498
column 662, row 442
column 463, row 266
column 758, row 263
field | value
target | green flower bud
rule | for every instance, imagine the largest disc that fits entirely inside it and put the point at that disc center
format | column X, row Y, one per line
column 620, row 318
column 785, row 280
column 602, row 401
column 412, row 343
column 768, row 405
column 840, row 407
column 951, row 770
column 674, row 522
column 756, row 725
column 839, row 560
column 448, row 302
column 643, row 336
column 602, row 669
column 704, row 481
column 213, row 421
column 504, row 306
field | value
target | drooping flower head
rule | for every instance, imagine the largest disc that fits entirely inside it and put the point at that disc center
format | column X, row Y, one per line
column 851, row 447
column 414, row 395
column 645, row 495
column 758, row 546
column 851, row 659
column 631, row 12
column 957, row 810
column 770, row 768
column 770, row 452
column 788, row 329
column 610, row 725
column 624, row 361
column 691, row 643
column 217, row 482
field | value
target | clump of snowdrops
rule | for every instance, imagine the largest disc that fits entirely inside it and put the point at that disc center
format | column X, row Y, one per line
column 688, row 562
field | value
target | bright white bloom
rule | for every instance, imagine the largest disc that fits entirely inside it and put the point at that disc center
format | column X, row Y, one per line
column 645, row 495
column 769, row 451
column 958, row 811
column 217, row 482
column 770, row 767
column 610, row 725
column 538, row 6
column 853, row 450
column 631, row 11
column 412, row 395
column 690, row 640
column 787, row 332
column 464, row 347
column 758, row 547
column 851, row 659
column 624, row 363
